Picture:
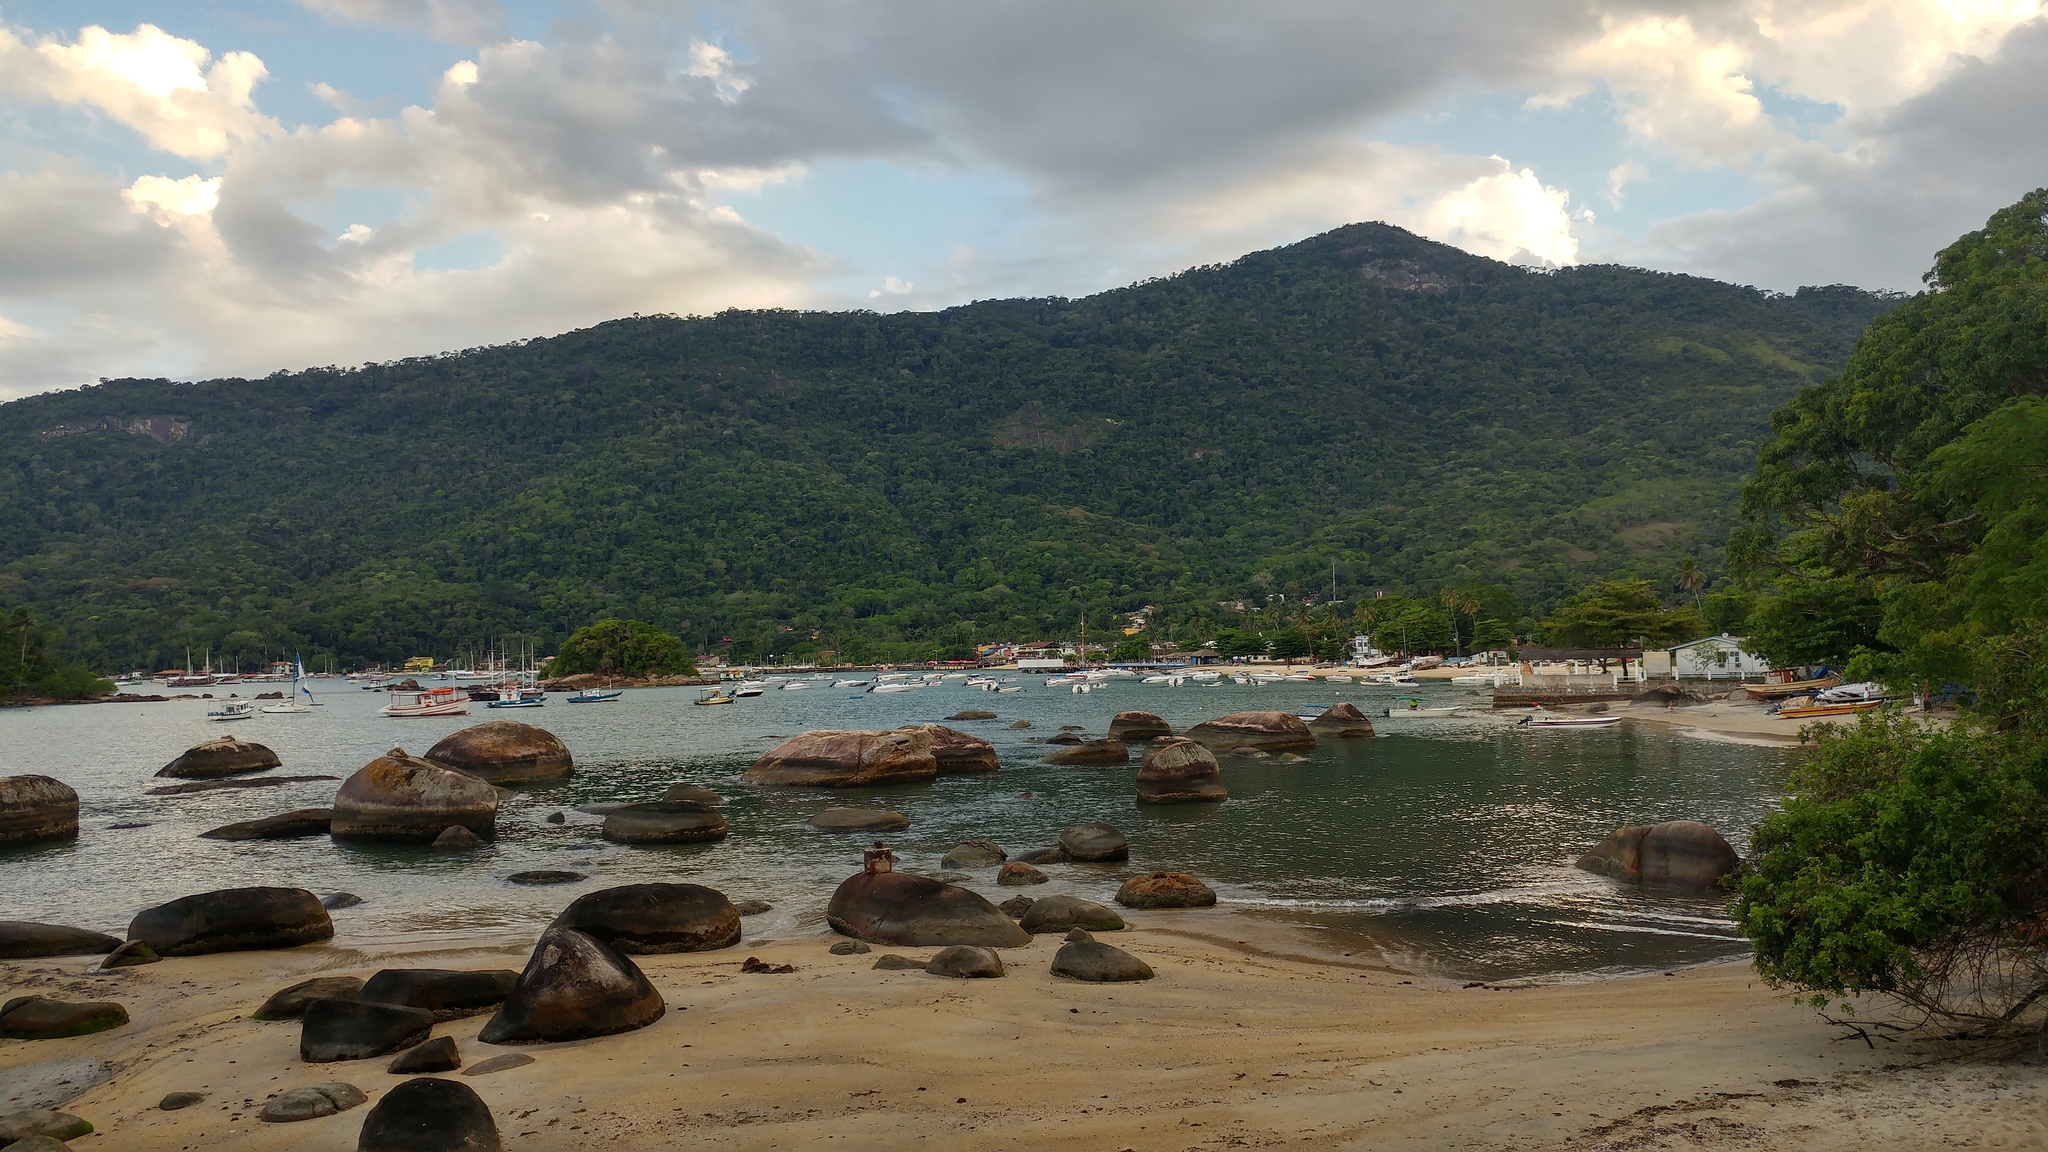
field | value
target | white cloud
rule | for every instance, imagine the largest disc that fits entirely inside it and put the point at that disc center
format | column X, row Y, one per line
column 461, row 21
column 190, row 196
column 1509, row 215
column 1621, row 176
column 153, row 82
column 891, row 286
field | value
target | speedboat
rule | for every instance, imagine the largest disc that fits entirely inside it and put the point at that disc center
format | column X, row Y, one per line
column 750, row 688
column 432, row 702
column 794, row 685
column 887, row 689
column 1411, row 708
column 714, row 697
column 1541, row 718
column 851, row 684
column 232, row 710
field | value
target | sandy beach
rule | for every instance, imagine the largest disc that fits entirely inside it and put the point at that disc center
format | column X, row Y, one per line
column 1232, row 1045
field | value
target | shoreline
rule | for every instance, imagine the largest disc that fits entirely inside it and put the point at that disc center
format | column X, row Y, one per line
column 1228, row 1046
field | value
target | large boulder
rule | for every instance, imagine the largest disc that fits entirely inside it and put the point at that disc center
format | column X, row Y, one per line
column 39, row 1018
column 574, row 986
column 290, row 1003
column 333, row 1030
column 21, row 940
column 1092, row 843
column 430, row 1114
column 48, row 1124
column 284, row 826
column 858, row 820
column 1066, row 913
column 663, row 822
column 848, row 759
column 1265, row 731
column 233, row 920
column 221, row 756
column 914, row 911
column 1165, row 890
column 1095, row 753
column 404, row 798
column 971, row 854
column 1178, row 771
column 448, row 993
column 648, row 919
column 505, row 752
column 1678, row 853
column 1083, row 958
column 1138, row 727
column 957, row 753
column 34, row 808
column 1342, row 722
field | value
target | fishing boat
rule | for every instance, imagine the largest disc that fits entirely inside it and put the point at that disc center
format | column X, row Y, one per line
column 432, row 702
column 512, row 696
column 1547, row 719
column 713, row 697
column 596, row 696
column 1410, row 708
column 232, row 710
column 1808, row 708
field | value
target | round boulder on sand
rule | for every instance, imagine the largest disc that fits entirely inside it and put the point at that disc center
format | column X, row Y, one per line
column 505, row 752
column 1065, row 913
column 847, row 759
column 34, row 808
column 404, row 798
column 974, row 854
column 651, row 919
column 1094, row 753
column 40, row 1018
column 1178, row 771
column 221, row 756
column 1341, row 721
column 913, row 911
column 957, row 753
column 964, row 962
column 22, row 939
column 430, row 1114
column 663, row 822
column 1093, row 843
column 573, row 987
column 1265, row 731
column 859, row 820
column 1677, row 853
column 1165, row 890
column 233, row 920
column 334, row 1030
column 1083, row 958
column 1138, row 727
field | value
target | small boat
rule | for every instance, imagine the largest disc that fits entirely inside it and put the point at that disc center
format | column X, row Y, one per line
column 750, row 688
column 851, row 684
column 232, row 710
column 516, row 696
column 291, row 705
column 887, row 689
column 1793, row 687
column 715, row 697
column 1804, row 709
column 795, row 685
column 432, row 702
column 596, row 696
column 1410, row 708
column 1546, row 719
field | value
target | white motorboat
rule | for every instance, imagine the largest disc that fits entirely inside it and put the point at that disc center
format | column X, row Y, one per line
column 796, row 685
column 1542, row 718
column 851, row 684
column 889, row 689
column 232, row 710
column 432, row 702
column 750, row 688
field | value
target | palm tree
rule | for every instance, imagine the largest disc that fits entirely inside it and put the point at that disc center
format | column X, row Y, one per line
column 1691, row 579
column 1458, row 603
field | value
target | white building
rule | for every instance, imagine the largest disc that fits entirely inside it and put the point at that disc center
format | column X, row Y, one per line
column 1710, row 658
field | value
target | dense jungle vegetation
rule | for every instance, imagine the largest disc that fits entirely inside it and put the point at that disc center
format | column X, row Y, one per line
column 1365, row 407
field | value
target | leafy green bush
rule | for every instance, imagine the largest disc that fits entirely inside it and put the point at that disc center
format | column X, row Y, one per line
column 1617, row 612
column 625, row 648
column 29, row 669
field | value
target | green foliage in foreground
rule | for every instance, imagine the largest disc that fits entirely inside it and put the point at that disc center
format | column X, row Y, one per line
column 1912, row 861
column 1899, row 518
column 30, row 669
column 910, row 485
column 1613, row 613
column 623, row 647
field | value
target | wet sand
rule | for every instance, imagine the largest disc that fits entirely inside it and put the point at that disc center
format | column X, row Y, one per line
column 1230, row 1046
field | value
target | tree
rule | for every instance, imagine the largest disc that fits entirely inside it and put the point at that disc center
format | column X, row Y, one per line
column 1292, row 644
column 1691, row 578
column 624, row 648
column 1459, row 602
column 29, row 669
column 1615, row 613
column 1134, row 648
column 1234, row 643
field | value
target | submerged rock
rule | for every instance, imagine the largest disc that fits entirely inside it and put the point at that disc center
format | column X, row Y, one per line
column 36, row 808
column 972, row 714
column 448, row 993
column 691, row 794
column 573, row 987
column 222, row 756
column 959, row 754
column 1178, row 771
column 456, row 838
column 1020, row 723
column 1092, row 843
column 403, row 798
column 1056, row 914
column 1018, row 875
column 546, row 876
column 1342, row 722
column 912, row 911
column 23, row 939
column 1082, row 957
column 649, row 919
column 340, row 900
column 290, row 1003
column 847, row 759
column 1165, row 890
column 333, row 1030
column 859, row 820
column 1677, row 853
column 964, row 962
column 1264, row 731
column 1043, row 856
column 1095, row 753
column 284, row 826
column 233, row 920
column 663, row 822
column 1138, row 727
column 40, row 1018
column 971, row 854
column 430, row 1114
column 505, row 752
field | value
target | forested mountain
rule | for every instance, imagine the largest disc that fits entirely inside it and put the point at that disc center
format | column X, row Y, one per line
column 854, row 481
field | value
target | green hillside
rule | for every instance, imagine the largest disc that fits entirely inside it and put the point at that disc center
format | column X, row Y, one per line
column 1415, row 414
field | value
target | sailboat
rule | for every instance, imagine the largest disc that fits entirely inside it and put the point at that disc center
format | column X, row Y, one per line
column 291, row 705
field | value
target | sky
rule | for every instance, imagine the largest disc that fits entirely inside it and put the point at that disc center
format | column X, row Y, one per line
column 236, row 187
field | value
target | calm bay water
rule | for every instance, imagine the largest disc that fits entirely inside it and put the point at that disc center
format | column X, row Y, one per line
column 1444, row 845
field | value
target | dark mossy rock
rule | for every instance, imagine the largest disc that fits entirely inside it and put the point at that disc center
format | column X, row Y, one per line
column 430, row 1114
column 221, row 756
column 858, row 820
column 284, row 826
column 405, row 799
column 340, row 900
column 30, row 1124
column 333, row 1030
column 575, row 986
column 972, row 714
column 40, row 1018
column 1058, row 914
column 233, row 920
column 36, row 808
column 1165, row 890
column 649, row 919
column 505, row 753
column 1093, row 843
column 23, row 939
column 1046, row 856
column 663, row 822
column 133, row 954
column 290, row 1003
column 1138, row 727
column 546, row 876
column 174, row 1101
column 437, row 1055
column 913, row 911
column 1676, row 853
column 891, row 962
column 972, row 854
column 1094, row 753
column 448, row 993
column 1084, row 958
column 964, row 962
